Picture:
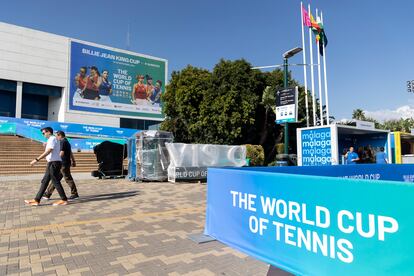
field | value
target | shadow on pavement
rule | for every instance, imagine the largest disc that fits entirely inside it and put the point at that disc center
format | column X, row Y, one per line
column 100, row 197
column 274, row 271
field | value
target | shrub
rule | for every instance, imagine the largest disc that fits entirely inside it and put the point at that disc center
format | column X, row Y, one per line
column 280, row 148
column 256, row 155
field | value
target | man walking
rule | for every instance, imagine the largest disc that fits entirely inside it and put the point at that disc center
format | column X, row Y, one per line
column 68, row 160
column 54, row 164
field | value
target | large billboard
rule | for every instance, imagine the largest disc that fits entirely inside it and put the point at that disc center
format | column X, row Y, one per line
column 115, row 82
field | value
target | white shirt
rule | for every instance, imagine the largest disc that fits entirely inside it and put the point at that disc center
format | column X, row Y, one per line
column 53, row 143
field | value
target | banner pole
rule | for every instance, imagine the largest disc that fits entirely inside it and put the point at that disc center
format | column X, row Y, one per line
column 312, row 74
column 325, row 78
column 304, row 66
column 319, row 79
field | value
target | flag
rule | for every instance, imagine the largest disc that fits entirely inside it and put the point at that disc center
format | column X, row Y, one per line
column 315, row 27
column 306, row 19
column 314, row 24
column 323, row 41
column 321, row 36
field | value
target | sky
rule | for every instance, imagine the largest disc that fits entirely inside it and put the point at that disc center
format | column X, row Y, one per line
column 369, row 53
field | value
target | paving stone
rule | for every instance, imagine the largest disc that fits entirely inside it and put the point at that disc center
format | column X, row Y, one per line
column 117, row 227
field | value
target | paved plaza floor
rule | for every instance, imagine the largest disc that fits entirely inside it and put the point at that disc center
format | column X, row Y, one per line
column 118, row 227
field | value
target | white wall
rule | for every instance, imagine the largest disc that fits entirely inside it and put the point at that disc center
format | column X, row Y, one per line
column 97, row 119
column 54, row 106
column 33, row 56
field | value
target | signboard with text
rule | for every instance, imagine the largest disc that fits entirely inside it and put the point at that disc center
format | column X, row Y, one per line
column 316, row 147
column 311, row 224
column 115, row 82
column 286, row 105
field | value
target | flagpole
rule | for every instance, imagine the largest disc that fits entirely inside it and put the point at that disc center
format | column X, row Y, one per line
column 312, row 75
column 324, row 77
column 304, row 67
column 319, row 79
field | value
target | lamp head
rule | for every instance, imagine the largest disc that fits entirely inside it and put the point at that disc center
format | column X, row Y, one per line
column 292, row 52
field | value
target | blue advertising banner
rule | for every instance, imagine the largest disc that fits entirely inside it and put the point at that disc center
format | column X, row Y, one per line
column 75, row 129
column 132, row 162
column 89, row 144
column 316, row 147
column 393, row 172
column 314, row 225
column 114, row 82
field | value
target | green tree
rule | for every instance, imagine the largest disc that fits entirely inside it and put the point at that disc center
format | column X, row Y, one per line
column 404, row 125
column 182, row 103
column 229, row 108
column 214, row 108
column 358, row 114
column 233, row 104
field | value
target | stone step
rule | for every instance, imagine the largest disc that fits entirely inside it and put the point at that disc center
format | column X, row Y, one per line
column 17, row 152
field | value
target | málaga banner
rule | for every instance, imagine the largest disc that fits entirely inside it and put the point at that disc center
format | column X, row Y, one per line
column 114, row 82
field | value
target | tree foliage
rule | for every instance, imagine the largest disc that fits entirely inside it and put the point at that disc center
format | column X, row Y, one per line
column 228, row 110
column 404, row 125
column 182, row 102
column 232, row 104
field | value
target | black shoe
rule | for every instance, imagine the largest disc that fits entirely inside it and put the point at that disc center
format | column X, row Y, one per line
column 73, row 197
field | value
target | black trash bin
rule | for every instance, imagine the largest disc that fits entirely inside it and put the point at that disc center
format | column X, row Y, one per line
column 282, row 160
column 110, row 157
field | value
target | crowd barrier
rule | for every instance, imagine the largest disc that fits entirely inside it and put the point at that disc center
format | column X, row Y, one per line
column 342, row 220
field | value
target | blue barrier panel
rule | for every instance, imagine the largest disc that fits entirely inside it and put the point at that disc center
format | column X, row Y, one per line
column 30, row 132
column 314, row 225
column 35, row 134
column 132, row 163
column 74, row 129
column 89, row 144
column 7, row 128
column 394, row 172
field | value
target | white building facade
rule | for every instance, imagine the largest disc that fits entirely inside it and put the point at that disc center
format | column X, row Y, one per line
column 36, row 81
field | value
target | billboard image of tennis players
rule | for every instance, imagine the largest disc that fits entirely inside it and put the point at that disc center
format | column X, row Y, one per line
column 115, row 82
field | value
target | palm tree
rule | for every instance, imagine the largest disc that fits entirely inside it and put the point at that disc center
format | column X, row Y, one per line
column 358, row 114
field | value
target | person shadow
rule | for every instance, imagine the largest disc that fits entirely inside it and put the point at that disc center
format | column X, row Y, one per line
column 101, row 197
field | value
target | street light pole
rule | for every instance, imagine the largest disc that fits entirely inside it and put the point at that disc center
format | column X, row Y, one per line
column 285, row 85
column 286, row 56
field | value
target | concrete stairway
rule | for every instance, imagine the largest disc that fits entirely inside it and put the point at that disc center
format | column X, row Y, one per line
column 17, row 152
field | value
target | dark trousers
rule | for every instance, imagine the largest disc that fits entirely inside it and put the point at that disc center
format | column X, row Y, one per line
column 53, row 174
column 65, row 170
